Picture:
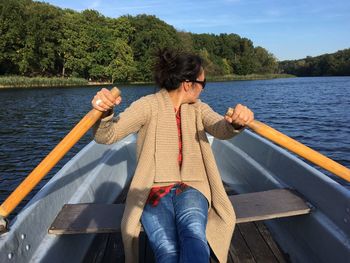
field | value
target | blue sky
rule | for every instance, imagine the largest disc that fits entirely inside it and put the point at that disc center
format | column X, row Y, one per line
column 288, row 29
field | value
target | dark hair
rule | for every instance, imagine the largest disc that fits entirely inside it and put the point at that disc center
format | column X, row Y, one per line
column 173, row 67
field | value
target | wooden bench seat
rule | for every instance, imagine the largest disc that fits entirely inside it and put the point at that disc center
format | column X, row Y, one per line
column 106, row 218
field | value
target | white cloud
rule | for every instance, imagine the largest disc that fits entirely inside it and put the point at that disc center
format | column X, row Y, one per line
column 95, row 4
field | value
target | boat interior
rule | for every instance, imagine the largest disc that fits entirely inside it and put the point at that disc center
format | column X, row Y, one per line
column 286, row 210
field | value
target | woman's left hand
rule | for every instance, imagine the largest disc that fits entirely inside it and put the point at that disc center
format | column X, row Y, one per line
column 240, row 116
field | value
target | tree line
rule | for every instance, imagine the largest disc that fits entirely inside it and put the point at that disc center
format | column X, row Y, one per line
column 38, row 39
column 336, row 64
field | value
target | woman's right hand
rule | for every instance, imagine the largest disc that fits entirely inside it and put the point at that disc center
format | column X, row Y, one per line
column 104, row 100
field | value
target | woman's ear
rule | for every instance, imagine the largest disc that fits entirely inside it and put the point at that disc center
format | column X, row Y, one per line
column 186, row 85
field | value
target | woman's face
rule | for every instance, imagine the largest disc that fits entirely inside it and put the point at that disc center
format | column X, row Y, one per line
column 197, row 87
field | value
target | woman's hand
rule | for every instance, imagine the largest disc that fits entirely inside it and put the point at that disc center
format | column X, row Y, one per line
column 104, row 100
column 240, row 116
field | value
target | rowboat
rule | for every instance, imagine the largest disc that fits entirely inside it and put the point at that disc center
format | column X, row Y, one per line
column 310, row 221
column 247, row 163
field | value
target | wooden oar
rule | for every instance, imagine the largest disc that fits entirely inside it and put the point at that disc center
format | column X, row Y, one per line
column 51, row 160
column 298, row 148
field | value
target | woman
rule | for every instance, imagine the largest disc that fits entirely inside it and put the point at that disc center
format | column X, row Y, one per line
column 176, row 191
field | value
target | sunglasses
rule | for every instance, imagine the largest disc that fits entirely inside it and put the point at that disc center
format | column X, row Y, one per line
column 203, row 83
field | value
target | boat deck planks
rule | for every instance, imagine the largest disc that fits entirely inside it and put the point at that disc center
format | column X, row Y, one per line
column 251, row 243
column 265, row 233
column 256, row 243
column 239, row 250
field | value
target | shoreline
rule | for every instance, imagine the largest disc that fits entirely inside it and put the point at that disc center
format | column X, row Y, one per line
column 33, row 82
column 41, row 82
column 232, row 77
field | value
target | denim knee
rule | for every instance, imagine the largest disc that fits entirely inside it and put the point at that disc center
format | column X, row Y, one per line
column 194, row 250
column 192, row 224
column 193, row 230
column 166, row 251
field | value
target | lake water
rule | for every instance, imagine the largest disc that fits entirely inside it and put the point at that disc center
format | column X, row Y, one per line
column 314, row 111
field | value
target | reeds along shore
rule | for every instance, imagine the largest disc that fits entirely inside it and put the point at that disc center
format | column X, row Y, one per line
column 248, row 77
column 27, row 82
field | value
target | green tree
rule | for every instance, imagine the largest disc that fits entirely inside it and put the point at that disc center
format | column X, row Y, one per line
column 39, row 53
column 336, row 64
column 265, row 61
column 39, row 39
column 122, row 28
column 227, row 69
column 208, row 64
column 12, row 34
column 186, row 41
column 75, row 45
column 150, row 34
column 122, row 67
column 247, row 60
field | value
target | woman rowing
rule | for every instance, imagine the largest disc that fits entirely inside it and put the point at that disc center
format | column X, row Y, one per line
column 176, row 192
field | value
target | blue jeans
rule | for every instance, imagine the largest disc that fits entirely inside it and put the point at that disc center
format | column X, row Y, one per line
column 176, row 227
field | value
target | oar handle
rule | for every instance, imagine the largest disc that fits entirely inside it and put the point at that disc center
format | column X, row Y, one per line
column 298, row 148
column 51, row 159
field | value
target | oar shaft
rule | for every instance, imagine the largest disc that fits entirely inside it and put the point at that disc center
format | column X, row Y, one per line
column 51, row 160
column 300, row 149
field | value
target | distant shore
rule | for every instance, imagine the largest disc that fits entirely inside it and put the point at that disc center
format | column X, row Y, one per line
column 27, row 82
column 249, row 77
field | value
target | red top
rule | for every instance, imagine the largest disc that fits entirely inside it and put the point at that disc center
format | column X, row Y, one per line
column 157, row 193
column 178, row 122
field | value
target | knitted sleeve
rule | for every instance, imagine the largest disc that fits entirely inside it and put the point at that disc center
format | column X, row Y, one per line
column 109, row 129
column 216, row 125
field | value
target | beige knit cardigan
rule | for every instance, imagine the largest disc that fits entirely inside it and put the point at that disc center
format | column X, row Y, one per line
column 152, row 117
